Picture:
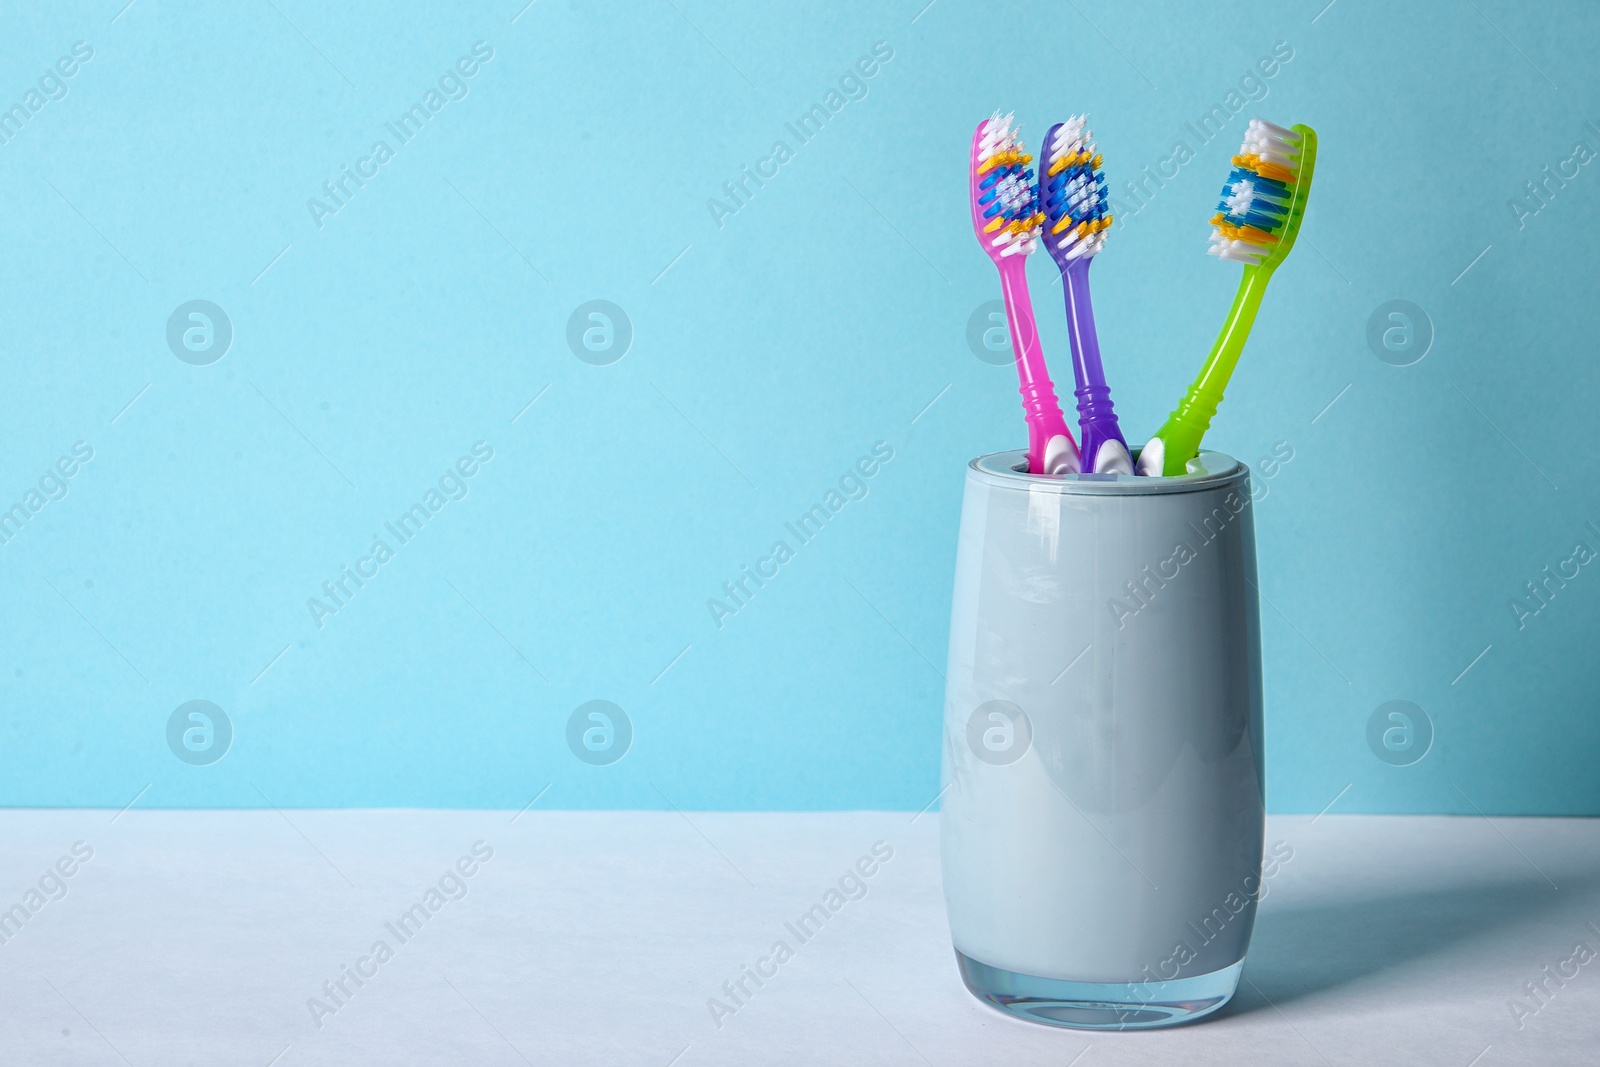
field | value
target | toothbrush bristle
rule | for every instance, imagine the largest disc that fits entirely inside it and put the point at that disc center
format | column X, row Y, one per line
column 1006, row 195
column 1255, row 198
column 1072, row 187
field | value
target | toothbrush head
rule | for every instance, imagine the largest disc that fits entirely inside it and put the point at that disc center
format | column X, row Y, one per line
column 1005, row 207
column 1072, row 190
column 1264, row 198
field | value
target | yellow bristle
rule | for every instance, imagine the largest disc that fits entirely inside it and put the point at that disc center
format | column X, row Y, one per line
column 1244, row 233
column 1275, row 171
column 1001, row 159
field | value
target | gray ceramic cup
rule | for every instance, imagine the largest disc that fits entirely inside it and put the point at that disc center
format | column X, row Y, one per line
column 1103, row 808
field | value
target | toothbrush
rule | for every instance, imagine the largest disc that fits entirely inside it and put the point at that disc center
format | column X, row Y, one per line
column 1072, row 189
column 1007, row 220
column 1263, row 204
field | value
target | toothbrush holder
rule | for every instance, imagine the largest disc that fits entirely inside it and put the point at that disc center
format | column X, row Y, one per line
column 1103, row 801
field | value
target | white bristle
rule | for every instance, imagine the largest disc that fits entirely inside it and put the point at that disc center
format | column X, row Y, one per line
column 997, row 136
column 1240, row 197
column 1072, row 137
column 1272, row 143
column 1238, row 251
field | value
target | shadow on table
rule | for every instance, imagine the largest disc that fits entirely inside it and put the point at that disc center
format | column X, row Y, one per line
column 1309, row 948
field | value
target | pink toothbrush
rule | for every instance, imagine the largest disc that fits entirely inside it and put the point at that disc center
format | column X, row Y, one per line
column 1008, row 222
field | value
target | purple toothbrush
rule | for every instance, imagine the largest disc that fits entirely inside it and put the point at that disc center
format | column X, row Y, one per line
column 1072, row 191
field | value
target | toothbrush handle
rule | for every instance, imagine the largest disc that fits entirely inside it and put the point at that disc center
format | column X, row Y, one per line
column 1039, row 403
column 1097, row 418
column 1188, row 423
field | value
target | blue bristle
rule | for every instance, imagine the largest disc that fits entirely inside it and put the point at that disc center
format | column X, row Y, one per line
column 1259, row 204
column 1029, row 203
column 1245, row 174
column 1268, row 207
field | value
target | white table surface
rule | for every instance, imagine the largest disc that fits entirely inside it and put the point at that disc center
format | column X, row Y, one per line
column 198, row 938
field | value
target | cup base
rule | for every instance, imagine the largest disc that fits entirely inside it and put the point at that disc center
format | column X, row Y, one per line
column 1099, row 1005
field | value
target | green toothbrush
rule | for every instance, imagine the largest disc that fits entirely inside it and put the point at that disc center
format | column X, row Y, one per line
column 1263, row 203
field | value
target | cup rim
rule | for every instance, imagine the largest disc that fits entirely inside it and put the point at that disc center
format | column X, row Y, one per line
column 1208, row 470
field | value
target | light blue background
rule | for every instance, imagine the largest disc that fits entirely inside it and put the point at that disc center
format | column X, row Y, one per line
column 816, row 321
